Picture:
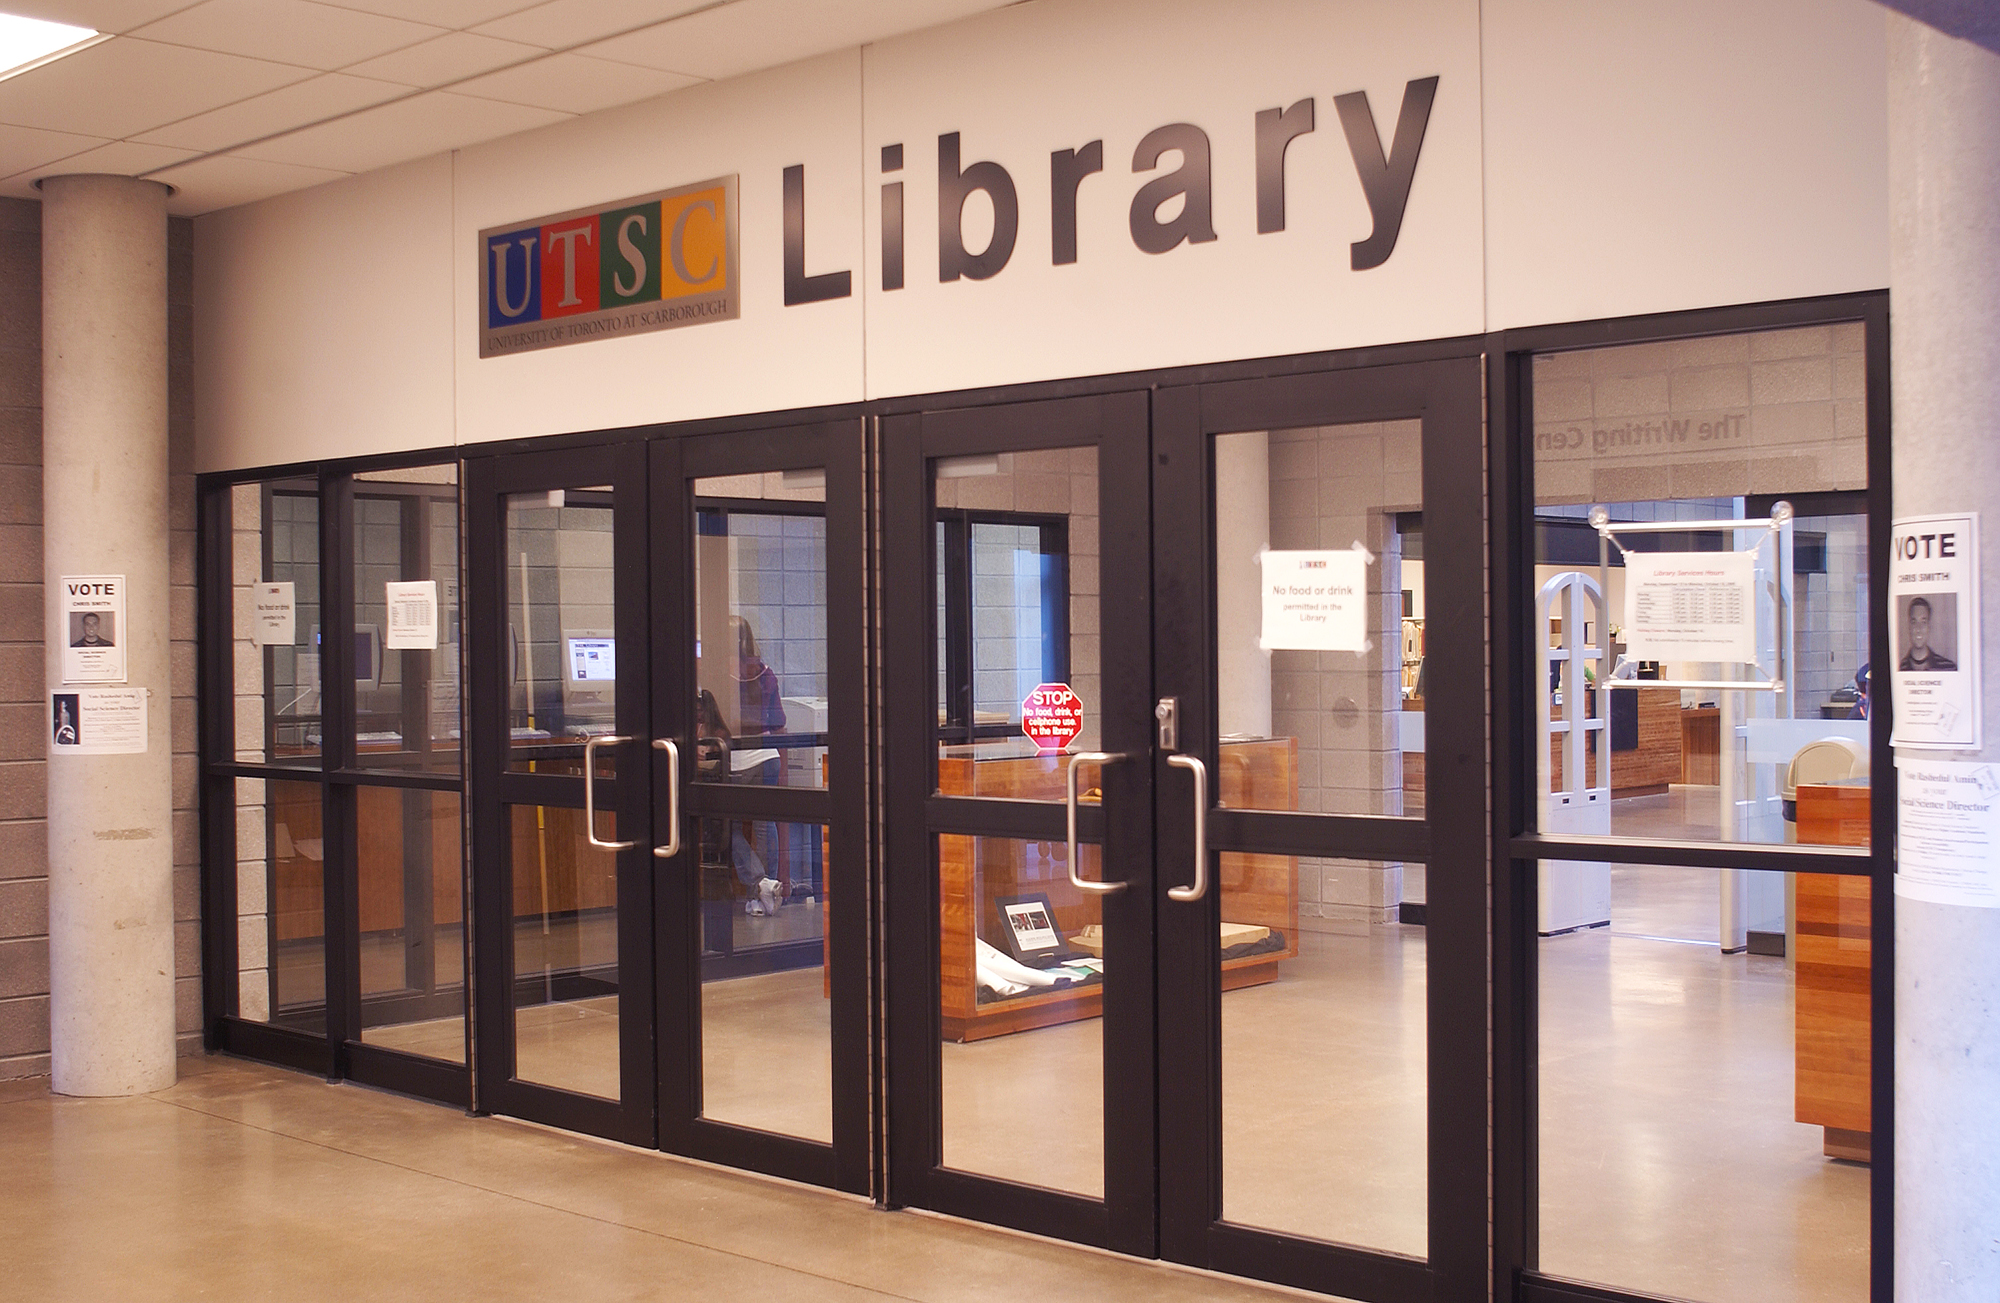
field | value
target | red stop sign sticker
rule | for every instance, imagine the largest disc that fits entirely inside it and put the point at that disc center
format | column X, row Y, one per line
column 1052, row 715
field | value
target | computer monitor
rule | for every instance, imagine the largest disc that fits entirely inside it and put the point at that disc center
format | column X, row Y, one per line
column 367, row 658
column 590, row 672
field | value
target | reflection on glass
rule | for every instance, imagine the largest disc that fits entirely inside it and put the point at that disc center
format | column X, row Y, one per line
column 565, row 951
column 562, row 654
column 412, row 920
column 1676, row 440
column 280, row 904
column 1353, row 718
column 1324, row 1086
column 760, row 628
column 275, row 528
column 767, row 1038
column 1021, row 975
column 1017, row 592
column 407, row 698
column 1696, row 1106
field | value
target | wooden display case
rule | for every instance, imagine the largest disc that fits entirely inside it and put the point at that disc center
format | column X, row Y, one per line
column 1832, row 1026
column 1256, row 889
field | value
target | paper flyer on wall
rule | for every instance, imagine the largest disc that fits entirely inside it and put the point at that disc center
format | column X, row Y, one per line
column 98, row 722
column 1315, row 600
column 273, row 615
column 1948, row 832
column 1691, row 606
column 1933, row 630
column 91, row 628
column 413, row 615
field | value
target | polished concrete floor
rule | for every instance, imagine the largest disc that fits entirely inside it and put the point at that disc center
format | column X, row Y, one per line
column 245, row 1182
column 1668, row 1155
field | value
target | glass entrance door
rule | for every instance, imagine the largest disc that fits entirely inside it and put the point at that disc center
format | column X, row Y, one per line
column 1186, row 805
column 563, row 888
column 668, row 876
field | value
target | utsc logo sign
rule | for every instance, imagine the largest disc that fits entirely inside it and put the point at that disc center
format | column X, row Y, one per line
column 650, row 263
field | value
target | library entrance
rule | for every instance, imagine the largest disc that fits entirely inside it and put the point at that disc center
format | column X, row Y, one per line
column 664, row 646
column 1169, row 763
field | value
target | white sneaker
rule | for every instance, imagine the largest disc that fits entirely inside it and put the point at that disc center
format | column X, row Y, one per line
column 754, row 908
column 767, row 895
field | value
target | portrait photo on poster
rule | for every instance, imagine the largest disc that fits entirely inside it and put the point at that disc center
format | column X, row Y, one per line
column 93, row 628
column 1927, row 633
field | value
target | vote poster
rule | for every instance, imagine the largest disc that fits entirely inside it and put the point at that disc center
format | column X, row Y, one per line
column 90, row 628
column 1948, row 832
column 1933, row 613
column 97, row 722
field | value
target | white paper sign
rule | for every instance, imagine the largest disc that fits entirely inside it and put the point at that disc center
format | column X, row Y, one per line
column 1691, row 606
column 413, row 615
column 1933, row 630
column 1947, row 832
column 98, row 722
column 91, row 629
column 1315, row 601
column 273, row 615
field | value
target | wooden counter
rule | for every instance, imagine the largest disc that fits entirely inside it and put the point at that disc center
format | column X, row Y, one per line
column 1832, row 1041
column 1646, row 768
column 972, row 871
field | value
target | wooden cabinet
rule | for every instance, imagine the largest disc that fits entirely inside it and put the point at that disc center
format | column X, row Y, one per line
column 1832, row 1024
column 1653, row 758
column 972, row 871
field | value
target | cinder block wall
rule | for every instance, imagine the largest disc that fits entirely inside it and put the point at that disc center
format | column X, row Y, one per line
column 24, row 894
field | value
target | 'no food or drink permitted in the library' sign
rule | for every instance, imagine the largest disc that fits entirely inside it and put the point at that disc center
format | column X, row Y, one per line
column 1052, row 716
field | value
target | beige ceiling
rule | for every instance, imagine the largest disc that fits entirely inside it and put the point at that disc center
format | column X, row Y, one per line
column 233, row 100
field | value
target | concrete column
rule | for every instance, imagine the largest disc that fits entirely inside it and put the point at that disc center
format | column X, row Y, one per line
column 1944, row 278
column 104, row 508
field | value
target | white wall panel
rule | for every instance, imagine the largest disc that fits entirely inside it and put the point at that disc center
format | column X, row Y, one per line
column 1642, row 157
column 1024, row 81
column 770, row 358
column 323, row 321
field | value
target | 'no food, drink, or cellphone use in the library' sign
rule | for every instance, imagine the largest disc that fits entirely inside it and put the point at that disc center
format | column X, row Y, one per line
column 652, row 263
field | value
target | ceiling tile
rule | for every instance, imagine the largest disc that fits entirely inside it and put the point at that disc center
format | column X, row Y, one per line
column 225, row 180
column 446, row 58
column 288, row 31
column 98, row 15
column 121, row 157
column 557, row 24
column 574, row 84
column 284, row 109
column 126, row 86
column 439, row 13
column 752, row 34
column 22, row 148
column 412, row 128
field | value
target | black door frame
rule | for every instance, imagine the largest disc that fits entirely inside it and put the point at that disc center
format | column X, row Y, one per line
column 632, row 1117
column 1116, row 424
column 1444, row 395
column 835, row 446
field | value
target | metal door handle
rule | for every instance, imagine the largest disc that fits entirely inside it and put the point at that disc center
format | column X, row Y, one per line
column 590, row 746
column 673, row 846
column 1194, row 766
column 1099, row 758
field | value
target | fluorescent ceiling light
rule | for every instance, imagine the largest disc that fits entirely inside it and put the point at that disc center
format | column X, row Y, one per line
column 27, row 43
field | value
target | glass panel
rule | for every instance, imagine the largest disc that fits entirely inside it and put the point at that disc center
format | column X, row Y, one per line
column 1300, row 508
column 276, row 668
column 760, row 627
column 406, row 698
column 562, row 654
column 280, row 904
column 1332, row 1011
column 766, row 1033
column 1021, row 977
column 565, row 951
column 411, row 865
column 1701, row 1113
column 1017, row 584
column 1693, row 434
